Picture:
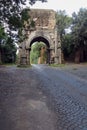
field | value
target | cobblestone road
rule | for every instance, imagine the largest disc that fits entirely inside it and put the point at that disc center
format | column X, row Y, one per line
column 43, row 98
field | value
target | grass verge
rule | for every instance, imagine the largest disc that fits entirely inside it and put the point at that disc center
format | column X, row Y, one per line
column 57, row 65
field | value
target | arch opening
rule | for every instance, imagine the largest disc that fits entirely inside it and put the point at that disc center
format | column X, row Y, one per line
column 43, row 48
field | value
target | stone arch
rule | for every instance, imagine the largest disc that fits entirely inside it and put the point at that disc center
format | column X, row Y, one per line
column 39, row 35
column 45, row 30
column 45, row 41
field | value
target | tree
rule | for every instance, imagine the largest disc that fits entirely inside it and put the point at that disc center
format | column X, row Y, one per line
column 13, row 8
column 8, row 51
column 67, row 46
column 64, row 23
column 13, row 17
column 79, row 28
column 7, row 47
column 79, row 34
column 3, row 37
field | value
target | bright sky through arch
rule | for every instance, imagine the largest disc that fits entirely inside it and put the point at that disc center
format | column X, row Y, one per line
column 69, row 6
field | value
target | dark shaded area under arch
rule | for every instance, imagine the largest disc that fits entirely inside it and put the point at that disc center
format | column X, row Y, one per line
column 40, row 39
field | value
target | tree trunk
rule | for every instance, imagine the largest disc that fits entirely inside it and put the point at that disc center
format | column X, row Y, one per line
column 0, row 57
column 79, row 55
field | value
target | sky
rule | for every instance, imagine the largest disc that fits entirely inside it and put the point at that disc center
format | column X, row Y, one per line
column 69, row 6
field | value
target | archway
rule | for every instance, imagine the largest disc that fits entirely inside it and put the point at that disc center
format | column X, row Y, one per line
column 45, row 30
column 43, row 40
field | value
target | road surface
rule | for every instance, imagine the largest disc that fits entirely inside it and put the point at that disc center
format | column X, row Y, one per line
column 43, row 98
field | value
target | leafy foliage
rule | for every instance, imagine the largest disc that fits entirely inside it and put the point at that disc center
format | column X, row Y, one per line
column 74, row 42
column 63, row 22
column 12, row 18
column 79, row 35
column 13, row 15
column 2, row 33
column 13, row 7
column 7, row 48
column 67, row 45
column 8, row 51
column 36, row 52
column 79, row 28
column 2, row 39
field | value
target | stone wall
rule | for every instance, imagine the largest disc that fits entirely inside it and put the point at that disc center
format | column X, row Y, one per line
column 44, row 19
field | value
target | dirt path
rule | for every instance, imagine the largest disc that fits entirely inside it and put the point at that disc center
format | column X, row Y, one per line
column 22, row 105
column 43, row 98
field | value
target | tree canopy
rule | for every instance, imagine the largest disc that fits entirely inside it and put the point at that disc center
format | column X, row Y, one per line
column 76, row 41
column 8, row 51
column 13, row 15
column 13, row 7
column 79, row 27
column 12, row 18
column 63, row 22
